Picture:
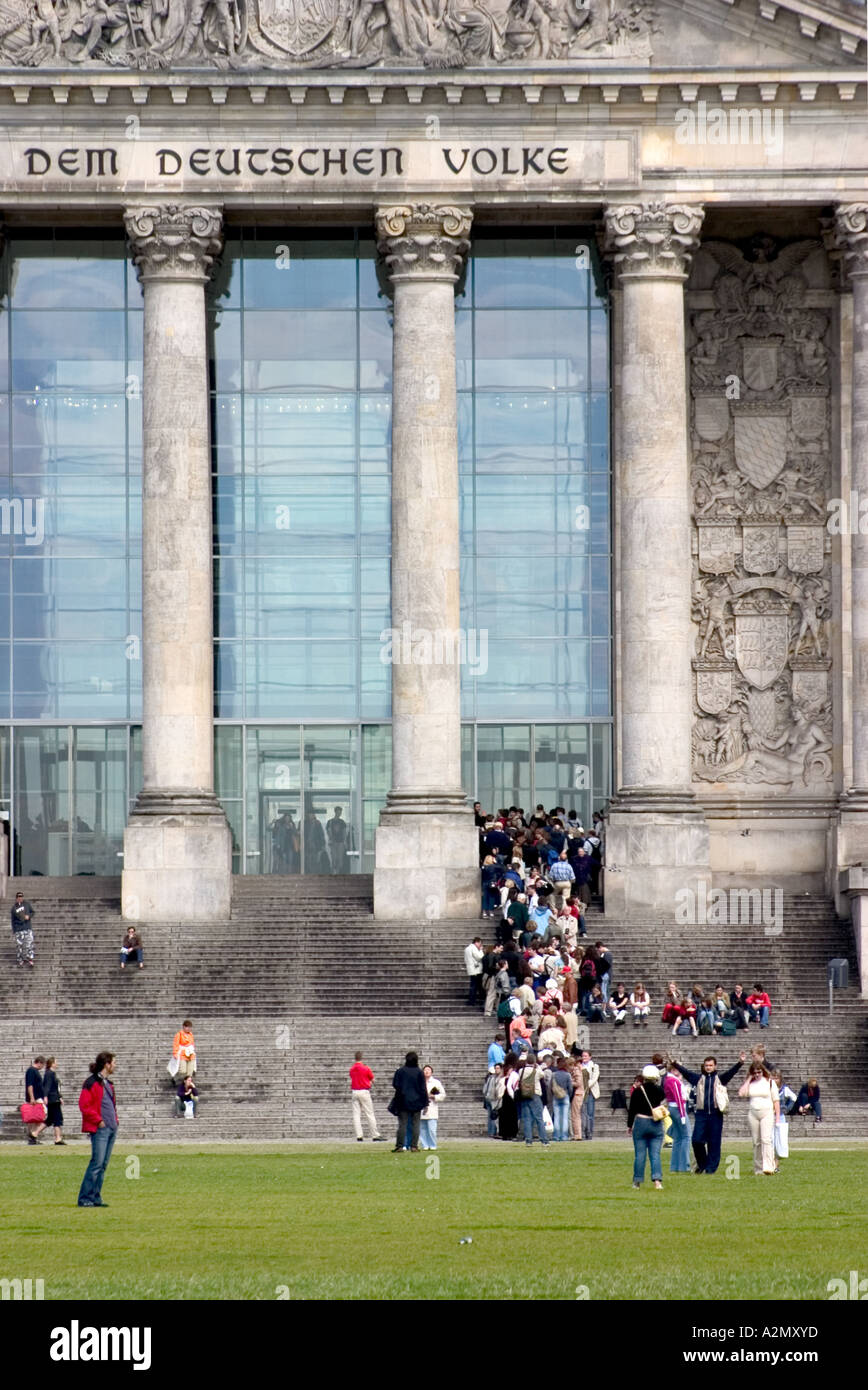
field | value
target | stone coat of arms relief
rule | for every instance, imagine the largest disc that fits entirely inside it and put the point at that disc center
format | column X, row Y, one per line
column 761, row 472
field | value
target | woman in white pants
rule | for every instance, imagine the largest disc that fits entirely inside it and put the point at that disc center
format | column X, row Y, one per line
column 431, row 1113
column 763, row 1114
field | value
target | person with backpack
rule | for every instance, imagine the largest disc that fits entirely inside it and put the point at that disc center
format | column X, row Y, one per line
column 712, row 1103
column 560, row 1088
column 492, row 1095
column 531, row 1093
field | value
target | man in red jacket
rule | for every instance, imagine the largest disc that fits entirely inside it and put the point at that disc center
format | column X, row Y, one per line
column 100, row 1120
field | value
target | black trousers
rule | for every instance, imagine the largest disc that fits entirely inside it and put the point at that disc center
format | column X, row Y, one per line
column 408, row 1118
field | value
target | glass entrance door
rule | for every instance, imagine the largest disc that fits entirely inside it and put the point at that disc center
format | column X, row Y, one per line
column 332, row 813
column 303, row 801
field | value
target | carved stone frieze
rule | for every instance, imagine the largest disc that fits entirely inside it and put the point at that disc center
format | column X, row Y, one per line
column 153, row 34
column 761, row 449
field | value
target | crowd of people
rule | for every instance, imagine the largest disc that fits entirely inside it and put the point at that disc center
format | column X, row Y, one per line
column 549, row 855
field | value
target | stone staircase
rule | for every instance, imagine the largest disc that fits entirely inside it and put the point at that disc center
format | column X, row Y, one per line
column 301, row 976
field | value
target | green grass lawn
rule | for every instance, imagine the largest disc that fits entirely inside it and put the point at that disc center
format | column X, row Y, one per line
column 339, row 1221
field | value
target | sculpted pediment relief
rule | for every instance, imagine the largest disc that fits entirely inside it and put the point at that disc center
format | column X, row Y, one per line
column 155, row 35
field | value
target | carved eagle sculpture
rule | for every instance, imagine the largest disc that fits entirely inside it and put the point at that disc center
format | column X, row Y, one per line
column 760, row 278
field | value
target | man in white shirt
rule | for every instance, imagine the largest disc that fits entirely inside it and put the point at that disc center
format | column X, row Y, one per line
column 473, row 954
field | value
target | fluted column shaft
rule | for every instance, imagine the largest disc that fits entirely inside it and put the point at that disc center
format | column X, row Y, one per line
column 426, row 857
column 657, row 843
column 650, row 246
column 177, row 848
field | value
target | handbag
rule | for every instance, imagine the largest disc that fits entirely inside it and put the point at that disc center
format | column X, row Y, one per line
column 728, row 1028
column 174, row 1064
column 35, row 1113
column 658, row 1112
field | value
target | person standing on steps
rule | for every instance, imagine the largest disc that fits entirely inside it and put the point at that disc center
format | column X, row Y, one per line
column 473, row 958
column 712, row 1103
column 51, row 1087
column 408, row 1102
column 99, row 1119
column 361, row 1080
column 22, row 929
column 184, row 1050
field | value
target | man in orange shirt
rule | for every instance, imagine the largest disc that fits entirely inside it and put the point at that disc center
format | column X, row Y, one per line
column 184, row 1049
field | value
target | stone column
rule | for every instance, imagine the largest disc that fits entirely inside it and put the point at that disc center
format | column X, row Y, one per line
column 427, row 862
column 177, row 844
column 657, row 840
column 851, row 225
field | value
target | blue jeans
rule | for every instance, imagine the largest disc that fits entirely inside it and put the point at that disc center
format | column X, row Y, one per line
column 427, row 1134
column 101, row 1144
column 762, row 1014
column 531, row 1114
column 492, row 1120
column 647, row 1143
column 679, row 1159
column 588, row 1116
column 604, row 986
column 561, row 1119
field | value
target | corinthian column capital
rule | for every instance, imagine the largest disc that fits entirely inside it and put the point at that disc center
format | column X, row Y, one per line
column 851, row 235
column 423, row 241
column 174, row 241
column 652, row 240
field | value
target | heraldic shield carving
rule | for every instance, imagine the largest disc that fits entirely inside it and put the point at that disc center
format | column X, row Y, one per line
column 762, row 639
column 297, row 26
column 761, row 443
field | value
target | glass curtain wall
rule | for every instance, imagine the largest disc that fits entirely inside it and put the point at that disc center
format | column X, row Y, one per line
column 301, row 376
column 300, row 346
column 533, row 380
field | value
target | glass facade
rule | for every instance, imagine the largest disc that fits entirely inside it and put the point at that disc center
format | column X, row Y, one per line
column 300, row 366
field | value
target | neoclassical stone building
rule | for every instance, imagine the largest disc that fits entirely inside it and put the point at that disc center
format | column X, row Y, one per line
column 412, row 400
